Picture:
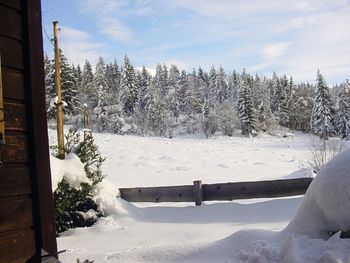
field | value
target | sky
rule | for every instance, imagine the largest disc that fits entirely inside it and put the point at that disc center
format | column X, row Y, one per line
column 291, row 37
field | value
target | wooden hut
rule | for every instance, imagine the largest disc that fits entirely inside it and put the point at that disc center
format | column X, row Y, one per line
column 26, row 208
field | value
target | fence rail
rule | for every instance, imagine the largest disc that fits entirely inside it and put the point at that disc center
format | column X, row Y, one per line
column 199, row 192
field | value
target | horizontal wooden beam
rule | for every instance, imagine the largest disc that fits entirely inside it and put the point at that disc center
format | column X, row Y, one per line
column 259, row 189
column 217, row 192
column 183, row 193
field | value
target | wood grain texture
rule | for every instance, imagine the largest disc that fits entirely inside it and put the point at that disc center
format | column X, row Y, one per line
column 217, row 192
column 15, row 213
column 14, row 181
column 11, row 53
column 184, row 193
column 13, row 84
column 15, row 116
column 15, row 4
column 17, row 246
column 10, row 23
column 37, row 128
column 16, row 148
column 259, row 189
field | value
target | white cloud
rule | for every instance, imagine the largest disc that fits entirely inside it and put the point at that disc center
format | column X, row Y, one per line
column 274, row 51
column 78, row 46
column 113, row 28
column 104, row 12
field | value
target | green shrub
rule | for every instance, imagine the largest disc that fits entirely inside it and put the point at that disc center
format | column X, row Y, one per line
column 75, row 207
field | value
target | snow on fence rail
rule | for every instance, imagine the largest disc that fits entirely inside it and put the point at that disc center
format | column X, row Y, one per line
column 199, row 192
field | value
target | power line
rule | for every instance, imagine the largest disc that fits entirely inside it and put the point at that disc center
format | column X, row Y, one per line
column 50, row 40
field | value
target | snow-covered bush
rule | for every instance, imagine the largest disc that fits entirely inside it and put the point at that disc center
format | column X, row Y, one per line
column 74, row 182
column 326, row 207
column 321, row 151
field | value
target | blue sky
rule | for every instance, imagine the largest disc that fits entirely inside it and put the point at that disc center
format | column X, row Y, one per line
column 288, row 36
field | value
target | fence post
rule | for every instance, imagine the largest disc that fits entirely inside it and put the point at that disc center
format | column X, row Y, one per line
column 198, row 192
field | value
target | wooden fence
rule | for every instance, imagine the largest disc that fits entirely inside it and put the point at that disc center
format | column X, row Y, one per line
column 199, row 192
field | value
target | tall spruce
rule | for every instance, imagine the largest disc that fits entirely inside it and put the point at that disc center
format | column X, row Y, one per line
column 128, row 88
column 321, row 119
column 343, row 112
column 245, row 107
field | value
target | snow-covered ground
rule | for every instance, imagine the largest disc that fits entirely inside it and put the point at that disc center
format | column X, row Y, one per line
column 216, row 231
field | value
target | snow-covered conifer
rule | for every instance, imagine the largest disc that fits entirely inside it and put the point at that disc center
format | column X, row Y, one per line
column 245, row 107
column 343, row 112
column 128, row 87
column 321, row 119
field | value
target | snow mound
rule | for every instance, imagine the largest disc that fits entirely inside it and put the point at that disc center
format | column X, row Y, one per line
column 106, row 197
column 326, row 205
column 71, row 169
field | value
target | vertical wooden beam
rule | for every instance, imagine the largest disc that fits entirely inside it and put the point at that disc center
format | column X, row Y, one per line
column 59, row 104
column 198, row 192
column 44, row 222
column 2, row 112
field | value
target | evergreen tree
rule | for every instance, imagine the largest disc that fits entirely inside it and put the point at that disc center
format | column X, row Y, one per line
column 321, row 120
column 68, row 90
column 221, row 86
column 173, row 98
column 88, row 92
column 156, row 111
column 212, row 88
column 49, row 80
column 245, row 108
column 343, row 113
column 128, row 88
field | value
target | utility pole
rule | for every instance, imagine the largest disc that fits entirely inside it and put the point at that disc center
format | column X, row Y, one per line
column 59, row 104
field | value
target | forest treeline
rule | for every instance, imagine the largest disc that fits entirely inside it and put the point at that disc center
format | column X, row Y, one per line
column 121, row 99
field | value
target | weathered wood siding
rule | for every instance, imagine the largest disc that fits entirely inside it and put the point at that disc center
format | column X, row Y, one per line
column 22, row 223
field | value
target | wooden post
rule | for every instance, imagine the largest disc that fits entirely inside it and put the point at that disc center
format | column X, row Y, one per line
column 198, row 192
column 60, row 132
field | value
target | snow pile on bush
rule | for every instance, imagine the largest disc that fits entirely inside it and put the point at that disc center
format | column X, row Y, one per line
column 326, row 205
column 70, row 169
column 106, row 194
column 325, row 210
column 79, row 201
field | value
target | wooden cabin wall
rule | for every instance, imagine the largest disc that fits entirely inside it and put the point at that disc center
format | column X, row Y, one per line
column 26, row 211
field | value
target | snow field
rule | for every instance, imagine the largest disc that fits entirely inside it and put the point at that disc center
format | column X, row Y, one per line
column 216, row 231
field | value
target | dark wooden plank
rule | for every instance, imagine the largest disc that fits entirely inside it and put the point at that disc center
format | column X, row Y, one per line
column 15, row 116
column 15, row 213
column 184, row 193
column 261, row 189
column 16, row 148
column 17, row 246
column 15, row 4
column 10, row 23
column 11, row 53
column 198, row 192
column 37, row 130
column 14, row 181
column 13, row 84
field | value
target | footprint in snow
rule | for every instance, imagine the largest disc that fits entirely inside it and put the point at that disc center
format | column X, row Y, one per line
column 181, row 168
column 223, row 165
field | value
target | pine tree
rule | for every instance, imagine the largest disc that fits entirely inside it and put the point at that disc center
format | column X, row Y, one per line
column 49, row 80
column 245, row 108
column 343, row 112
column 221, row 86
column 212, row 88
column 283, row 102
column 156, row 111
column 173, row 98
column 321, row 120
column 68, row 89
column 88, row 92
column 128, row 88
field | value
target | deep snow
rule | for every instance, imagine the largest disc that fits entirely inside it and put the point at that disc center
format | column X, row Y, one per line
column 216, row 231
